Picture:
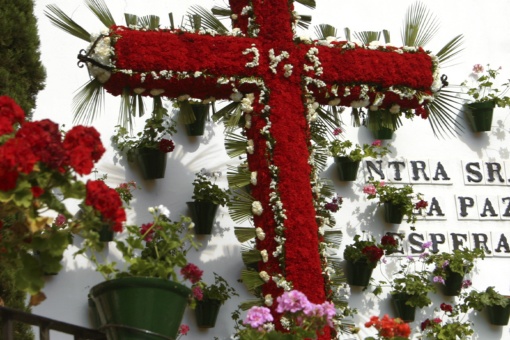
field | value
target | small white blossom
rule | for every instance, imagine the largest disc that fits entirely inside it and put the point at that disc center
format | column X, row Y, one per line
column 253, row 177
column 256, row 208
column 261, row 235
column 251, row 147
column 395, row 108
column 164, row 211
column 264, row 276
column 157, row 92
column 265, row 256
column 268, row 300
column 139, row 90
column 183, row 97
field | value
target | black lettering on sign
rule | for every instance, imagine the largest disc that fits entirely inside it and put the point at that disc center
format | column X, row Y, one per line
column 494, row 168
column 458, row 241
column 436, row 239
column 440, row 171
column 397, row 173
column 465, row 202
column 507, row 209
column 474, row 175
column 480, row 241
column 396, row 236
column 417, row 167
column 415, row 242
column 434, row 207
column 370, row 166
column 502, row 243
column 487, row 206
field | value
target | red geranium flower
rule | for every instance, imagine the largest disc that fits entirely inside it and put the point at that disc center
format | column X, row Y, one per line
column 107, row 201
column 373, row 253
column 192, row 273
column 166, row 145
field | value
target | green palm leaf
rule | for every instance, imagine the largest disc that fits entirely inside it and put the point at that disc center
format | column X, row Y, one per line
column 235, row 145
column 366, row 37
column 419, row 26
column 244, row 234
column 451, row 49
column 221, row 11
column 150, row 21
column 250, row 255
column 443, row 112
column 238, row 176
column 240, row 208
column 251, row 280
column 88, row 101
column 304, row 21
column 101, row 11
column 208, row 20
column 323, row 31
column 307, row 3
column 63, row 21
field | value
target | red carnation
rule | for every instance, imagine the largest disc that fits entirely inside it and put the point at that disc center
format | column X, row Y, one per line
column 166, row 145
column 373, row 253
column 107, row 201
column 191, row 272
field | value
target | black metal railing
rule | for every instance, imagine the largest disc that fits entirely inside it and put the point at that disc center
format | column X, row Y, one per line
column 8, row 316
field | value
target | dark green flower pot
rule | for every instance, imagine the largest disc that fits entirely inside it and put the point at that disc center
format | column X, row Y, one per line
column 383, row 133
column 135, row 308
column 197, row 127
column 347, row 168
column 479, row 115
column 206, row 312
column 498, row 316
column 452, row 283
column 106, row 233
column 393, row 213
column 403, row 311
column 152, row 163
column 203, row 214
column 359, row 273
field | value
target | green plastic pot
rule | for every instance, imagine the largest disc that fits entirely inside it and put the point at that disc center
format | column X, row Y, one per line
column 206, row 312
column 393, row 213
column 152, row 163
column 498, row 315
column 359, row 273
column 106, row 233
column 197, row 127
column 347, row 168
column 479, row 115
column 203, row 214
column 403, row 311
column 452, row 283
column 135, row 308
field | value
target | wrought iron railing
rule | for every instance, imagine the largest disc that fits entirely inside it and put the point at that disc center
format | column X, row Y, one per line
column 8, row 316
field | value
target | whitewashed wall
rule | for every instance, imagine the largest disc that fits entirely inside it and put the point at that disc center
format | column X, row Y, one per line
column 485, row 27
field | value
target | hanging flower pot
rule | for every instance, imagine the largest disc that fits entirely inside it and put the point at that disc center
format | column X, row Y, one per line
column 393, row 213
column 203, row 214
column 452, row 283
column 196, row 128
column 403, row 311
column 152, row 162
column 359, row 273
column 382, row 123
column 479, row 115
column 498, row 315
column 206, row 312
column 347, row 168
column 106, row 233
column 134, row 308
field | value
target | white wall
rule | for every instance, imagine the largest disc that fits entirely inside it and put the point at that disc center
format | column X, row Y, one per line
column 485, row 28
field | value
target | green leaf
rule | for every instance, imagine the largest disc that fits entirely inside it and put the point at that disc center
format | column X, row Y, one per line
column 64, row 22
column 323, row 31
column 244, row 234
column 419, row 26
column 88, row 102
column 235, row 145
column 101, row 11
column 450, row 50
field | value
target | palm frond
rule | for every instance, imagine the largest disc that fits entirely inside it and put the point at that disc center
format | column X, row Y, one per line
column 64, row 22
column 443, row 112
column 323, row 31
column 131, row 19
column 238, row 176
column 244, row 234
column 150, row 21
column 137, row 105
column 347, row 33
column 88, row 102
column 240, row 208
column 207, row 19
column 307, row 3
column 221, row 11
column 249, row 255
column 334, row 237
column 419, row 26
column 387, row 38
column 328, row 188
column 101, row 11
column 366, row 37
column 186, row 114
column 451, row 49
column 251, row 280
column 125, row 110
column 231, row 115
column 304, row 21
column 235, row 145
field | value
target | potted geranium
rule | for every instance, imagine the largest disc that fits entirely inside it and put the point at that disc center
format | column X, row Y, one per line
column 398, row 201
column 389, row 328
column 348, row 156
column 496, row 304
column 39, row 175
column 450, row 268
column 146, row 293
column 363, row 255
column 303, row 319
column 209, row 300
column 207, row 197
column 484, row 96
column 193, row 113
column 150, row 146
column 449, row 326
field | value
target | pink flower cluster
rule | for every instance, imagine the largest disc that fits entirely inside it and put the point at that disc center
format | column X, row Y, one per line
column 191, row 272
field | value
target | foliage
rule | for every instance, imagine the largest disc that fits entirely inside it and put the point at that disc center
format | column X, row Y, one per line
column 490, row 297
column 300, row 318
column 206, row 191
column 155, row 135
column 403, row 196
column 449, row 326
column 389, row 328
column 153, row 249
column 481, row 88
column 39, row 169
column 220, row 290
column 458, row 261
column 338, row 148
column 368, row 250
column 22, row 74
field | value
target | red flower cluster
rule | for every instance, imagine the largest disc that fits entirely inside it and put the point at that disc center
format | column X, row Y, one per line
column 107, row 201
column 388, row 240
column 10, row 114
column 146, row 230
column 84, row 148
column 166, row 145
column 428, row 323
column 446, row 307
column 389, row 328
column 373, row 253
column 192, row 273
column 421, row 204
